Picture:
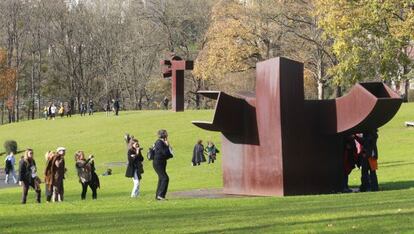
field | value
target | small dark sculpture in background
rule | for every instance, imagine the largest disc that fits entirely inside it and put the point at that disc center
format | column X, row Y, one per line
column 276, row 143
column 175, row 68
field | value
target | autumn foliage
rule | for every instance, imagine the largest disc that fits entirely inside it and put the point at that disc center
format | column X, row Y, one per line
column 7, row 77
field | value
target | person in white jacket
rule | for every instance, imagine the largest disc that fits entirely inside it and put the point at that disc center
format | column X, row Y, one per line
column 9, row 168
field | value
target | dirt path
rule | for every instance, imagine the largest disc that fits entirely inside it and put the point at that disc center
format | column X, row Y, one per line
column 2, row 183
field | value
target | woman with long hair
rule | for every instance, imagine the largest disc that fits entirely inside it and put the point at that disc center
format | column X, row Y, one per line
column 28, row 177
column 135, row 167
column 85, row 168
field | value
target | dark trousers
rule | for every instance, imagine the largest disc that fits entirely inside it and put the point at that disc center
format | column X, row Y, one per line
column 116, row 111
column 26, row 186
column 163, row 179
column 58, row 191
column 85, row 188
column 48, row 192
column 369, row 180
column 211, row 158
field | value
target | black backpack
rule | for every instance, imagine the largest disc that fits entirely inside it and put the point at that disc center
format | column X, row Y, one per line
column 151, row 153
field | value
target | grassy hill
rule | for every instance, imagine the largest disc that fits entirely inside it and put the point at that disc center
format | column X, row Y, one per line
column 391, row 210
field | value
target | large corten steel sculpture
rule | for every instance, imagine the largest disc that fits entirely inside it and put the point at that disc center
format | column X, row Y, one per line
column 175, row 68
column 276, row 143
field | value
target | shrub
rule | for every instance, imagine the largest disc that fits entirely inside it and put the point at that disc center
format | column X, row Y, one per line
column 10, row 146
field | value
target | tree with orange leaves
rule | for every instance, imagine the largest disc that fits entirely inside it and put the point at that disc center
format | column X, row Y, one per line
column 7, row 82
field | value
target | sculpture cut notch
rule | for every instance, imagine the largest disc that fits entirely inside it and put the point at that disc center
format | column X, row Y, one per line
column 276, row 143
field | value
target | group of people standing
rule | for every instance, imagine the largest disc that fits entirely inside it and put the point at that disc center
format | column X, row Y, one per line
column 65, row 109
column 54, row 175
column 50, row 112
column 162, row 152
column 360, row 150
column 199, row 153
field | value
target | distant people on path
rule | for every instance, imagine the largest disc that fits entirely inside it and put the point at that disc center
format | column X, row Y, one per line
column 135, row 168
column 28, row 177
column 116, row 106
column 53, row 110
column 212, row 152
column 68, row 110
column 165, row 102
column 86, row 174
column 46, row 112
column 61, row 110
column 369, row 180
column 198, row 154
column 83, row 109
column 90, row 107
column 48, row 175
column 58, row 174
column 163, row 152
column 9, row 164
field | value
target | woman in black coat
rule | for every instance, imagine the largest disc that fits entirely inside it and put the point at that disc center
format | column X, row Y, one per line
column 162, row 154
column 198, row 153
column 28, row 177
column 135, row 167
column 86, row 173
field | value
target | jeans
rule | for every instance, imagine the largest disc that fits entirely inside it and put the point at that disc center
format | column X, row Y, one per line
column 13, row 174
column 135, row 189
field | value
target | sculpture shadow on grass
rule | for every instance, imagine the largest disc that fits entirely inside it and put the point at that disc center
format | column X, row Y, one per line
column 398, row 185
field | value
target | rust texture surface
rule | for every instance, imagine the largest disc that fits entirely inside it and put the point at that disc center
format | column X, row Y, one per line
column 276, row 143
column 174, row 69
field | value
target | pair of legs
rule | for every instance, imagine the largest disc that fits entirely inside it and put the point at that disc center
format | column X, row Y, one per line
column 369, row 180
column 160, row 167
column 57, row 195
column 85, row 189
column 211, row 159
column 26, row 185
column 135, row 189
column 13, row 175
column 48, row 192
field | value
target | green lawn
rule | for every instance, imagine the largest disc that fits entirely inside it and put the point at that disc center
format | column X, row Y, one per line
column 388, row 211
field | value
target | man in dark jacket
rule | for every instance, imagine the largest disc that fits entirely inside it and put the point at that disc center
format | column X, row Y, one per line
column 162, row 154
column 116, row 106
column 198, row 154
column 369, row 180
column 28, row 177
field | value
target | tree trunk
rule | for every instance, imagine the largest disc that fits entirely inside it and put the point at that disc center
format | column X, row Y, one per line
column 32, row 95
column 3, row 109
column 338, row 91
column 39, row 79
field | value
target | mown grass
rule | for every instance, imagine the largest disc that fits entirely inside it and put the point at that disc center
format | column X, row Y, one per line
column 388, row 211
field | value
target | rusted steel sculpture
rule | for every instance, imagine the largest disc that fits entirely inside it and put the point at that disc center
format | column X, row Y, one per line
column 276, row 143
column 175, row 68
